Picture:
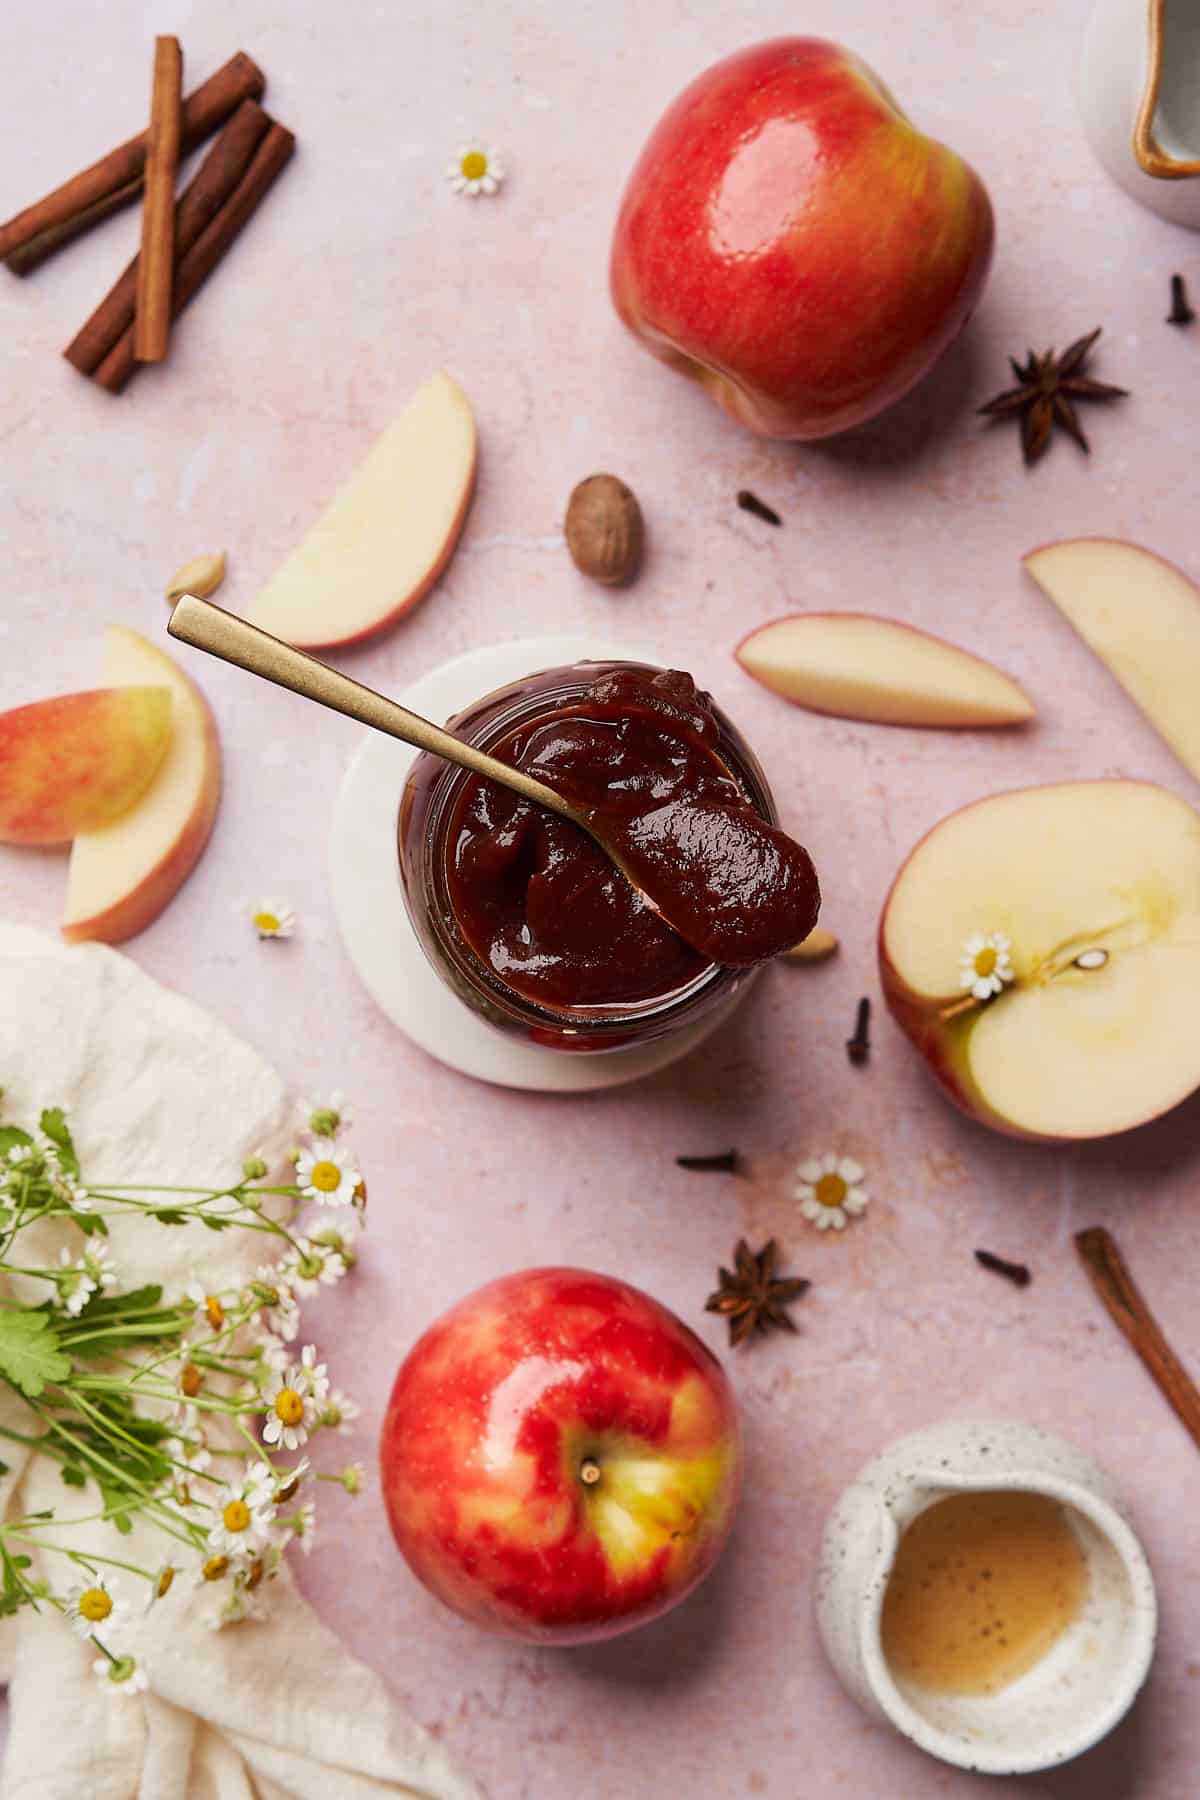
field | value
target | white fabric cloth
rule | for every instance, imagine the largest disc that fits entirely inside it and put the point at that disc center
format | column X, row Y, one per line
column 260, row 1710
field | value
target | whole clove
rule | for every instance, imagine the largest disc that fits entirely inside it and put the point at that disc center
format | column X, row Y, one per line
column 725, row 1162
column 1180, row 313
column 858, row 1047
column 1015, row 1272
column 752, row 504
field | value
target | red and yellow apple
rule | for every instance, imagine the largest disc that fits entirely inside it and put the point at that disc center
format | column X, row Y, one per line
column 122, row 875
column 1095, row 885
column 792, row 242
column 560, row 1457
column 79, row 761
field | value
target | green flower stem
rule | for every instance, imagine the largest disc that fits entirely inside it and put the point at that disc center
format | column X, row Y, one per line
column 84, row 1559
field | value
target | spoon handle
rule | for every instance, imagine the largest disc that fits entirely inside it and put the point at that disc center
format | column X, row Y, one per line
column 207, row 627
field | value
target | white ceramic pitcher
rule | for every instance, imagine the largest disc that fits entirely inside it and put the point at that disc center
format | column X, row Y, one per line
column 1086, row 1681
column 1140, row 101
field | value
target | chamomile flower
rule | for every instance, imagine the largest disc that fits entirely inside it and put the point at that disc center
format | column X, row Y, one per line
column 294, row 1399
column 340, row 1238
column 279, row 1302
column 303, row 1524
column 100, row 1268
column 75, row 1285
column 985, row 965
column 338, row 1413
column 125, row 1675
column 97, row 1606
column 476, row 169
column 830, row 1190
column 273, row 919
column 353, row 1478
column 311, row 1265
column 206, row 1303
column 326, row 1121
column 244, row 1513
column 327, row 1174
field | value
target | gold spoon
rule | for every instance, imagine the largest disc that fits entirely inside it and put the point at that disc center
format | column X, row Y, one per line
column 703, row 869
column 208, row 627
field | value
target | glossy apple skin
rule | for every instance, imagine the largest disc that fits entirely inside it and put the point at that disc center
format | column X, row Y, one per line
column 792, row 242
column 493, row 1414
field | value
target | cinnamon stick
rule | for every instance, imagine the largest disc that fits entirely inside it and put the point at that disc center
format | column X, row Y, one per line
column 122, row 170
column 215, row 180
column 193, row 269
column 156, row 259
column 39, row 249
column 1115, row 1285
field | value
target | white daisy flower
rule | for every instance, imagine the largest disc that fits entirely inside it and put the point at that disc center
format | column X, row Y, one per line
column 206, row 1303
column 327, row 1174
column 830, row 1190
column 294, row 1399
column 100, row 1268
column 97, row 1605
column 476, row 169
column 326, row 1121
column 304, row 1526
column 273, row 919
column 310, row 1265
column 985, row 965
column 341, row 1239
column 124, row 1676
column 338, row 1413
column 75, row 1285
column 282, row 1310
column 244, row 1513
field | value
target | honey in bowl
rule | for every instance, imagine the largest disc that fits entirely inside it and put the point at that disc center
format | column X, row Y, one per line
column 982, row 1586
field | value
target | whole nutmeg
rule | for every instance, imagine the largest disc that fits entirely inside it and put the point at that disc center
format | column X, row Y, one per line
column 604, row 530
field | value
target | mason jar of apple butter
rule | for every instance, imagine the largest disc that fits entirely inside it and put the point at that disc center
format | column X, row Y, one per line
column 518, row 910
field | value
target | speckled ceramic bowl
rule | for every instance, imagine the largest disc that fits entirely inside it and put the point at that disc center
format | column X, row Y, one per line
column 1089, row 1678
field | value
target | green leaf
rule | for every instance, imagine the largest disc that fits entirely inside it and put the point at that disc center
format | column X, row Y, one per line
column 121, row 1321
column 73, row 1477
column 167, row 1215
column 215, row 1224
column 91, row 1224
column 54, row 1124
column 29, row 1351
column 10, row 1136
column 4, row 1469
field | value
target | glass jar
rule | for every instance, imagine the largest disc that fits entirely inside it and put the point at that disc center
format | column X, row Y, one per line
column 427, row 810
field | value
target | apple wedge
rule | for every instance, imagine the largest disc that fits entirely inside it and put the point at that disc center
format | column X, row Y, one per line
column 122, row 876
column 77, row 761
column 1141, row 616
column 380, row 545
column 858, row 666
column 1096, row 887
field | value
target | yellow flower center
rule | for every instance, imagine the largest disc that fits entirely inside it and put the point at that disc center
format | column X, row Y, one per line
column 325, row 1177
column 266, row 921
column 254, row 1575
column 236, row 1516
column 831, row 1190
column 191, row 1380
column 474, row 165
column 166, row 1577
column 985, row 961
column 289, row 1407
column 215, row 1311
column 214, row 1568
column 95, row 1605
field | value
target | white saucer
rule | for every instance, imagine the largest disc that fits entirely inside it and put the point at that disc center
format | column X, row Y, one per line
column 374, row 925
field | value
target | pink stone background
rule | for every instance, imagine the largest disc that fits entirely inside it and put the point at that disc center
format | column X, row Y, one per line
column 361, row 274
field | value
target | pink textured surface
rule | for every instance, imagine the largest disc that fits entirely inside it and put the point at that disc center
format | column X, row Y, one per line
column 363, row 272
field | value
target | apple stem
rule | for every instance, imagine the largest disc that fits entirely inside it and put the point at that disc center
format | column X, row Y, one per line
column 589, row 1471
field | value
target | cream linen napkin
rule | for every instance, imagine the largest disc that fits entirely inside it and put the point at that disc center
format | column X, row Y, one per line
column 271, row 1708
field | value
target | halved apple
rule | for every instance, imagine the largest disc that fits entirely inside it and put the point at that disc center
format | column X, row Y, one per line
column 1141, row 616
column 77, row 761
column 122, row 876
column 858, row 666
column 1096, row 885
column 382, row 542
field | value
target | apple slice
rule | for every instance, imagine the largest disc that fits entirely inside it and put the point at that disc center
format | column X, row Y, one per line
column 380, row 545
column 1096, row 885
column 78, row 761
column 122, row 876
column 858, row 666
column 1141, row 616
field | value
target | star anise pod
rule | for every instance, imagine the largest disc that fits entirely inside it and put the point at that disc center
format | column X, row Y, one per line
column 1049, row 387
column 753, row 1298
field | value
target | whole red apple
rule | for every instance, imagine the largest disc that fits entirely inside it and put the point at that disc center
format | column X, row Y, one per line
column 789, row 240
column 560, row 1457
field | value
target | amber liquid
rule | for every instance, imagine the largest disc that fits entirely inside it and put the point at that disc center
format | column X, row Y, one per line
column 982, row 1586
